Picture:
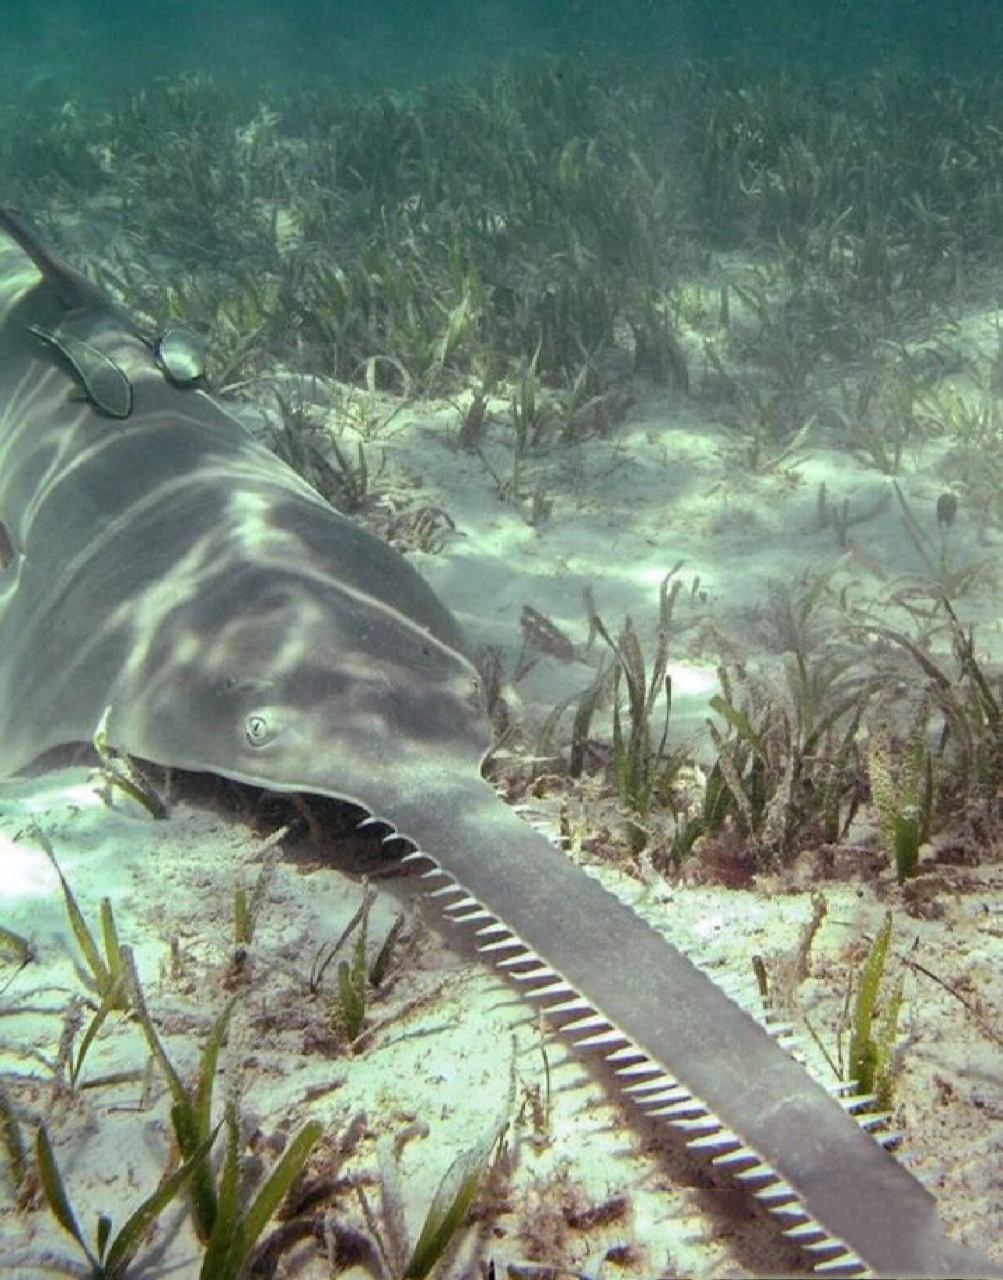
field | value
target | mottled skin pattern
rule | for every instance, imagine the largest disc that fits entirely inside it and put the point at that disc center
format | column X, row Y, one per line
column 169, row 567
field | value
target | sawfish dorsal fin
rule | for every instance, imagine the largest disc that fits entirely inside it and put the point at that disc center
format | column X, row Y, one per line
column 74, row 290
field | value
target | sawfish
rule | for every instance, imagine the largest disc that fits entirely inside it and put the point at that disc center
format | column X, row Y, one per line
column 166, row 576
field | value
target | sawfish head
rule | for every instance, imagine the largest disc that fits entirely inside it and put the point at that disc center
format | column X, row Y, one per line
column 295, row 680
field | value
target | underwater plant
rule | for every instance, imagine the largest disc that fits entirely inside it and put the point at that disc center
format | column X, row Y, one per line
column 112, row 1254
column 454, row 1196
column 945, row 580
column 902, row 790
column 240, row 1221
column 191, row 1110
column 119, row 773
column 12, row 1143
column 865, row 1055
column 105, row 974
column 227, row 1226
column 247, row 908
column 329, row 231
column 970, row 747
column 871, row 1061
column 785, row 764
column 15, row 949
column 643, row 765
column 358, row 975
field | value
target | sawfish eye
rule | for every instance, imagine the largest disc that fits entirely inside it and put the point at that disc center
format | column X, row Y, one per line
column 257, row 730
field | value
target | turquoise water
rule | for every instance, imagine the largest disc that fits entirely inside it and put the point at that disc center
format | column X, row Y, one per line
column 78, row 47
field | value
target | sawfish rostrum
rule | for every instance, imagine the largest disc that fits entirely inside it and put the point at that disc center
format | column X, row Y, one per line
column 170, row 568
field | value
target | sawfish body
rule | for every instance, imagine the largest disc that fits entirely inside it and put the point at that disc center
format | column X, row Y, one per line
column 169, row 567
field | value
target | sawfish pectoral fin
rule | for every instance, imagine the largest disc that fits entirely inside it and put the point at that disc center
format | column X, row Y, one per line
column 181, row 355
column 102, row 382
